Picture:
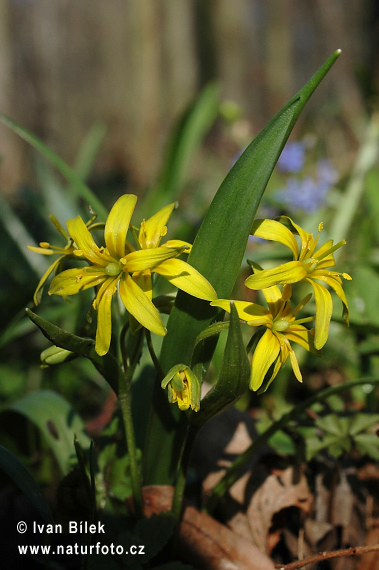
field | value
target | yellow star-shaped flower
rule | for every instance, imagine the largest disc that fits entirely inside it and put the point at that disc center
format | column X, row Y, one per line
column 310, row 264
column 113, row 266
column 282, row 328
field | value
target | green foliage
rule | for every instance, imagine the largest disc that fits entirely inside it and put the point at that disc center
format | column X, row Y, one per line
column 341, row 434
column 56, row 420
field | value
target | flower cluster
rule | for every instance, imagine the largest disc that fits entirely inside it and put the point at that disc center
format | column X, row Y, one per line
column 310, row 265
column 118, row 266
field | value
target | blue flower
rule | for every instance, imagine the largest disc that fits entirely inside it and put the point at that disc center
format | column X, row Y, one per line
column 308, row 194
column 292, row 157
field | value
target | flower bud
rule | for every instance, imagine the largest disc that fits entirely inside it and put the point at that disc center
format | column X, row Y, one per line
column 55, row 355
column 183, row 387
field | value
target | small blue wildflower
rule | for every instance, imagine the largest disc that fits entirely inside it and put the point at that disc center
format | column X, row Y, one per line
column 304, row 194
column 292, row 157
column 308, row 194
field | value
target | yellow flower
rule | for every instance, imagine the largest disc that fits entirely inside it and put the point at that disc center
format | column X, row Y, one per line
column 178, row 272
column 119, row 264
column 310, row 264
column 183, row 387
column 45, row 248
column 274, row 346
column 111, row 267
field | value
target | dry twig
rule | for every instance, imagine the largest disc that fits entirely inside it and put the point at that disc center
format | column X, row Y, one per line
column 353, row 551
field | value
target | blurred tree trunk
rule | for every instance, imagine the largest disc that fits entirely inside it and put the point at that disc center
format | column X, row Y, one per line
column 335, row 19
column 136, row 64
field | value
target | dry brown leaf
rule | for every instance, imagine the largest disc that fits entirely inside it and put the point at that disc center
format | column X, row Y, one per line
column 316, row 531
column 276, row 494
column 203, row 541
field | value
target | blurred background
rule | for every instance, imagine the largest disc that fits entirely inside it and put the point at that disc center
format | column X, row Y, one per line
column 135, row 66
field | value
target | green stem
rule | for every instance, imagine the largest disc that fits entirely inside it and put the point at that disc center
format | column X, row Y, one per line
column 124, row 399
column 234, row 471
column 184, row 463
column 153, row 356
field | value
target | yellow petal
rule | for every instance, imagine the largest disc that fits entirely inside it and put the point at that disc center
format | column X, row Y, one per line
column 117, row 225
column 178, row 243
column 138, row 304
column 308, row 243
column 334, row 281
column 154, row 228
column 265, row 354
column 44, row 278
column 187, row 278
column 149, row 258
column 295, row 365
column 85, row 242
column 324, row 309
column 291, row 272
column 143, row 280
column 72, row 281
column 104, row 316
column 302, row 336
column 249, row 312
column 275, row 231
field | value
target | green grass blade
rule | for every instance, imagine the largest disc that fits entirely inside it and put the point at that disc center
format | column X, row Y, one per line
column 185, row 141
column 89, row 149
column 67, row 172
column 217, row 253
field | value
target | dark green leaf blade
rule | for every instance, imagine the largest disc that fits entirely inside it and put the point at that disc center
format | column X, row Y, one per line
column 18, row 473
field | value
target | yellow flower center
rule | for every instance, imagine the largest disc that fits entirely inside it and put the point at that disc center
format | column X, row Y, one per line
column 280, row 325
column 113, row 268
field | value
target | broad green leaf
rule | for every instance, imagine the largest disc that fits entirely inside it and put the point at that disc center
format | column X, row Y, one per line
column 217, row 254
column 107, row 365
column 67, row 172
column 57, row 422
column 21, row 477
